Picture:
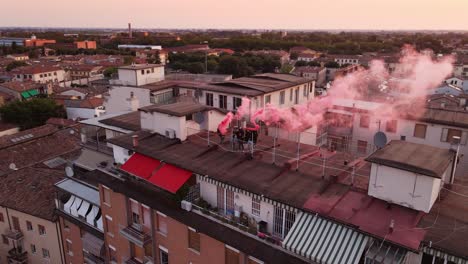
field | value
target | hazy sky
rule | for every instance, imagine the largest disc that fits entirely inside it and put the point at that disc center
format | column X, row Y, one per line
column 277, row 14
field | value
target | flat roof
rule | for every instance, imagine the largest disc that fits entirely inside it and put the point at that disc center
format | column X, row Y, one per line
column 140, row 66
column 419, row 158
column 130, row 121
column 81, row 190
column 177, row 109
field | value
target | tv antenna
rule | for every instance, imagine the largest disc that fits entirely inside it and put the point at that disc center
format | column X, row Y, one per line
column 12, row 166
column 69, row 171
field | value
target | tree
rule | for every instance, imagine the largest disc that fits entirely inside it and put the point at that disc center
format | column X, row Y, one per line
column 314, row 64
column 287, row 68
column 32, row 113
column 294, row 56
column 110, row 72
column 14, row 65
column 154, row 58
column 234, row 65
column 332, row 64
column 301, row 63
column 195, row 67
column 129, row 60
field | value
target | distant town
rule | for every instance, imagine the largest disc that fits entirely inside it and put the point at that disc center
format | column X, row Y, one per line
column 142, row 146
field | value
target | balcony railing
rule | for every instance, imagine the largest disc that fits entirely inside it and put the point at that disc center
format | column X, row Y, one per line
column 146, row 260
column 13, row 234
column 17, row 256
column 340, row 131
column 91, row 259
column 136, row 234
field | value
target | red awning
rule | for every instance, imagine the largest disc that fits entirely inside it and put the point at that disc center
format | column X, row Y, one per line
column 170, row 178
column 141, row 165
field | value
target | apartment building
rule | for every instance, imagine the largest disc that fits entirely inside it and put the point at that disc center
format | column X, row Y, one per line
column 347, row 59
column 31, row 163
column 84, row 108
column 86, row 44
column 181, row 198
column 84, row 71
column 40, row 74
column 144, row 82
column 24, row 90
column 318, row 74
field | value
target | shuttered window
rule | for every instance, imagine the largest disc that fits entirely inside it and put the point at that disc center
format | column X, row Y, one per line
column 420, row 130
column 232, row 256
column 194, row 239
column 448, row 135
column 220, row 199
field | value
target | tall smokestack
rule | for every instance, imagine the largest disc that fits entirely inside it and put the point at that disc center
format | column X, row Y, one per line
column 130, row 35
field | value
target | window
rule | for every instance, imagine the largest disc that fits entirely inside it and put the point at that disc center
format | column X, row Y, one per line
column 68, row 247
column 255, row 207
column 220, row 198
column 267, row 99
column 282, row 221
column 231, row 255
column 42, row 230
column 163, row 255
column 189, row 117
column 142, row 72
column 364, row 121
column 66, row 224
column 223, row 101
column 391, row 126
column 33, row 248
column 193, row 239
column 209, row 99
column 1, row 218
column 449, row 133
column 16, row 225
column 135, row 218
column 291, row 95
column 281, row 99
column 106, row 196
column 362, row 147
column 420, row 130
column 29, row 226
column 112, row 254
column 5, row 240
column 162, row 223
column 236, row 102
column 296, row 96
column 45, row 253
column 305, row 90
column 108, row 225
column 229, row 202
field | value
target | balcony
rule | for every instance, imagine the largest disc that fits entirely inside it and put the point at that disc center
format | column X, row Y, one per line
column 135, row 233
column 146, row 260
column 340, row 131
column 92, row 259
column 17, row 256
column 13, row 234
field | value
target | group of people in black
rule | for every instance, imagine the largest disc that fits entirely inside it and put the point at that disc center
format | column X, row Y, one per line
column 241, row 136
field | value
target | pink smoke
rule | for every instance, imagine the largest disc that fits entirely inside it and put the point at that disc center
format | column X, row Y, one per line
column 408, row 86
column 223, row 126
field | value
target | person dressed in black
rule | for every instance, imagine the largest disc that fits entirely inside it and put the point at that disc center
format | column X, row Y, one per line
column 240, row 138
column 221, row 136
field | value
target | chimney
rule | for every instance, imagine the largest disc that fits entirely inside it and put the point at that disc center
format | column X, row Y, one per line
column 391, row 226
column 134, row 102
column 135, row 141
column 130, row 35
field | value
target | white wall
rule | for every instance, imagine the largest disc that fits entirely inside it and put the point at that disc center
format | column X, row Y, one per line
column 208, row 192
column 117, row 100
column 405, row 188
column 84, row 113
column 120, row 154
column 159, row 123
column 138, row 77
column 74, row 93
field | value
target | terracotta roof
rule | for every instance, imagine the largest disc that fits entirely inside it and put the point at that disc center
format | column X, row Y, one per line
column 308, row 69
column 130, row 121
column 413, row 157
column 176, row 109
column 140, row 66
column 36, row 69
column 31, row 191
column 61, row 122
column 20, row 86
column 90, row 103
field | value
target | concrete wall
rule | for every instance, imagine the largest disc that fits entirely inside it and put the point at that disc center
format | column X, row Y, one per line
column 84, row 113
column 54, row 76
column 159, row 123
column 405, row 188
column 140, row 77
column 10, row 131
column 120, row 154
column 117, row 101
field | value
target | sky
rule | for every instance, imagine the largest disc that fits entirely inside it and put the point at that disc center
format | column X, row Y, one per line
column 235, row 14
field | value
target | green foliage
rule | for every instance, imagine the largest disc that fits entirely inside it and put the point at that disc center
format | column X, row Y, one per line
column 293, row 56
column 332, row 64
column 110, row 72
column 314, row 64
column 129, row 60
column 287, row 68
column 15, row 64
column 234, row 65
column 31, row 113
column 301, row 63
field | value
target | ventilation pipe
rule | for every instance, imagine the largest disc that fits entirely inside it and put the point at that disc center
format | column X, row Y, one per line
column 455, row 160
column 135, row 141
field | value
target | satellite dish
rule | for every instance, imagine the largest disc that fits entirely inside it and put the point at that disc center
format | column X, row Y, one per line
column 199, row 117
column 69, row 171
column 380, row 139
column 13, row 166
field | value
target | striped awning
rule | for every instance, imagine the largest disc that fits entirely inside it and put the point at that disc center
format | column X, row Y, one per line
column 324, row 241
column 437, row 253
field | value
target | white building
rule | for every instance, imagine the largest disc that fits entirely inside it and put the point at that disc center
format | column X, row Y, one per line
column 40, row 74
column 85, row 108
column 410, row 174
